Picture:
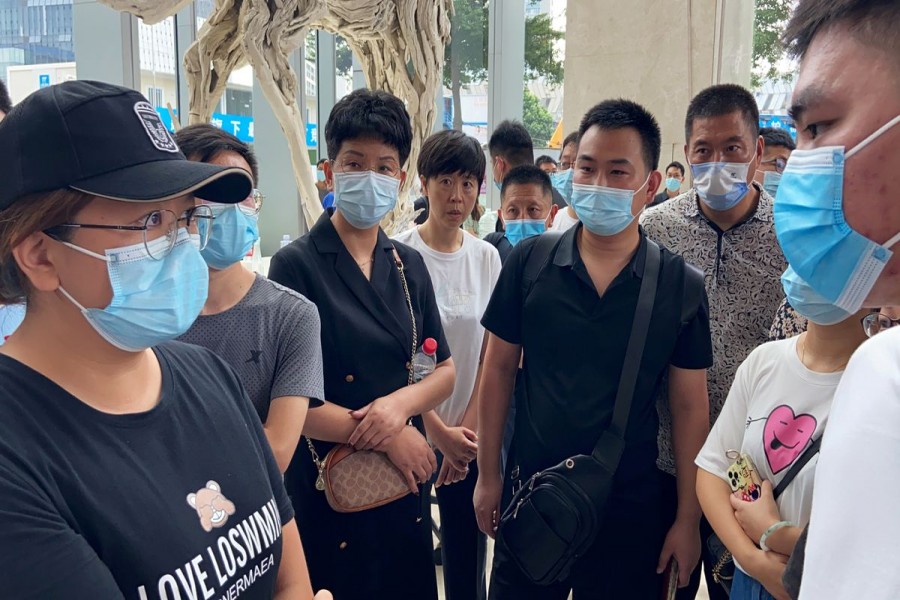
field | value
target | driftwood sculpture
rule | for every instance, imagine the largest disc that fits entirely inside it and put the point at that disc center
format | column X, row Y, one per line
column 400, row 44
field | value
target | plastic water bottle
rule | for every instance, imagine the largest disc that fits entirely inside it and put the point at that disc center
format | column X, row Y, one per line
column 424, row 362
column 285, row 241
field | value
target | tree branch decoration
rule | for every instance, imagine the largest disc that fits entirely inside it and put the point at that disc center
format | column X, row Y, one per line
column 400, row 44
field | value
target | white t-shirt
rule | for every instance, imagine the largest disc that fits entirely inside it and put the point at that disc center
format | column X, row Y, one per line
column 463, row 283
column 775, row 409
column 563, row 221
column 853, row 550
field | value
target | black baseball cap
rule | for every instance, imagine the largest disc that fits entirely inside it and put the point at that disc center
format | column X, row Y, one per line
column 104, row 140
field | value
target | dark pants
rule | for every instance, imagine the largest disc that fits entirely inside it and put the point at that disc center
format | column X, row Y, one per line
column 620, row 564
column 463, row 546
column 668, row 506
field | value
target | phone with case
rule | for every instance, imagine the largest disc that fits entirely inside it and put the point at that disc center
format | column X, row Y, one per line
column 670, row 581
column 743, row 476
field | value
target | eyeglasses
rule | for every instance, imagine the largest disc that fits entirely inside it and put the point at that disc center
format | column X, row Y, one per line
column 251, row 205
column 353, row 165
column 779, row 164
column 157, row 225
column 876, row 322
column 565, row 166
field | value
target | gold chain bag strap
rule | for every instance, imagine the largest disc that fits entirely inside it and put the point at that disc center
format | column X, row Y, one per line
column 357, row 480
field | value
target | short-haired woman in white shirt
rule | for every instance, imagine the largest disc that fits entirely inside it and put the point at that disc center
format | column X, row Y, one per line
column 464, row 270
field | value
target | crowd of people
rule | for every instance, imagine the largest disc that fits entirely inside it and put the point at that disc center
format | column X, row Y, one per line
column 696, row 338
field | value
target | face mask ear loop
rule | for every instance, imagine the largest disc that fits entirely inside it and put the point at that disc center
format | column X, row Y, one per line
column 874, row 136
column 85, row 251
column 892, row 241
column 71, row 299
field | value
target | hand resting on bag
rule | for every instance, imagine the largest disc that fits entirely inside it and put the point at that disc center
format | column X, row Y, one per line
column 411, row 454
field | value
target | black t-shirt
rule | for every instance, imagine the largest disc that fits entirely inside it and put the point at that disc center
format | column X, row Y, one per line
column 659, row 198
column 499, row 241
column 574, row 343
column 182, row 501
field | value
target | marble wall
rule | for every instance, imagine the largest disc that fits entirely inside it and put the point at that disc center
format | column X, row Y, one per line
column 659, row 53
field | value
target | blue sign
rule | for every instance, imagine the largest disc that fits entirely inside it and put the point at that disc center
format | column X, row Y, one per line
column 239, row 126
column 779, row 122
column 44, row 81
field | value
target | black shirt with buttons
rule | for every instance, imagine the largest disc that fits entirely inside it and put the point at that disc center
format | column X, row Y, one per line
column 366, row 348
column 574, row 343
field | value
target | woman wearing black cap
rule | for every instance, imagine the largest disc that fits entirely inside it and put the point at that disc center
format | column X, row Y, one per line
column 129, row 467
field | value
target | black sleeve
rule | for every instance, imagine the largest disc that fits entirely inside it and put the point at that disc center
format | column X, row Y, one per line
column 282, row 269
column 42, row 556
column 503, row 316
column 693, row 349
column 558, row 199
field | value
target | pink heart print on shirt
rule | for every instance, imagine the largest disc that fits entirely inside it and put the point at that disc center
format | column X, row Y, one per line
column 785, row 436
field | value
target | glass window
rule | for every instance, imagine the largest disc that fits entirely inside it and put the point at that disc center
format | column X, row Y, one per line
column 545, row 25
column 157, row 61
column 35, row 32
column 466, row 70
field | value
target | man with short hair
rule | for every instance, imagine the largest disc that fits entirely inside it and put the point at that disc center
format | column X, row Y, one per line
column 510, row 146
column 562, row 183
column 326, row 196
column 546, row 164
column 569, row 148
column 776, row 152
column 724, row 226
column 573, row 324
column 267, row 333
column 837, row 219
column 526, row 207
column 674, row 179
column 5, row 102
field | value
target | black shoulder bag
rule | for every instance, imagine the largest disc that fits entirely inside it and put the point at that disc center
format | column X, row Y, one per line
column 554, row 518
column 723, row 567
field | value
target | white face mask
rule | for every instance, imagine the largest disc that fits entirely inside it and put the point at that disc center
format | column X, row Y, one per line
column 720, row 185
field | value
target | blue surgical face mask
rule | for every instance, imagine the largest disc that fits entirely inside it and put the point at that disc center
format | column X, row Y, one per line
column 604, row 210
column 520, row 229
column 320, row 176
column 840, row 264
column 153, row 301
column 771, row 180
column 807, row 302
column 673, row 184
column 562, row 183
column 365, row 198
column 721, row 186
column 233, row 234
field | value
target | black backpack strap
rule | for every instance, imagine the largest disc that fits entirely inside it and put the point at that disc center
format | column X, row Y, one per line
column 636, row 341
column 798, row 465
column 609, row 448
column 694, row 285
column 538, row 258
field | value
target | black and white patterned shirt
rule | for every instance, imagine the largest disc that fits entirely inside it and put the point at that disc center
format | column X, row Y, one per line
column 743, row 268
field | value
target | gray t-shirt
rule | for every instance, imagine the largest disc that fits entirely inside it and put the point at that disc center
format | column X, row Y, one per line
column 272, row 339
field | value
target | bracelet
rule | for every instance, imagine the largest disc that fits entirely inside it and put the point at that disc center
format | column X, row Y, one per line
column 770, row 531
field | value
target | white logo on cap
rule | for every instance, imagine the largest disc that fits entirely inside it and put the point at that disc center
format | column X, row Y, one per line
column 156, row 131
